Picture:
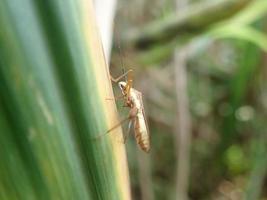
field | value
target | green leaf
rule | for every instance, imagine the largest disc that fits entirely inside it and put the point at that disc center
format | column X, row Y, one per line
column 240, row 27
column 242, row 33
column 54, row 82
column 253, row 12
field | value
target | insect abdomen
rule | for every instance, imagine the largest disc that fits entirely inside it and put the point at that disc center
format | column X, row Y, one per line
column 141, row 133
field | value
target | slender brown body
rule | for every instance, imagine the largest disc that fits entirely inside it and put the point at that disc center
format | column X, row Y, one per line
column 140, row 125
column 133, row 100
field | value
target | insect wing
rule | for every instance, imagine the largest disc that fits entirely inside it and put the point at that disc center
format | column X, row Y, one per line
column 140, row 98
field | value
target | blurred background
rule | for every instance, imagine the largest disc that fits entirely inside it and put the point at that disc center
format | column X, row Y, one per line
column 201, row 66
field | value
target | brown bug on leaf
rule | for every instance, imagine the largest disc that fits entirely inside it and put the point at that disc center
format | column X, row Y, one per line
column 133, row 100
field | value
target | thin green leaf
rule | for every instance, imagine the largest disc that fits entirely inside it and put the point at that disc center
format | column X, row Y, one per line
column 241, row 32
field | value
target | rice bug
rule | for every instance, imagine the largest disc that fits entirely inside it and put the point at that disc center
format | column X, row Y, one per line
column 133, row 100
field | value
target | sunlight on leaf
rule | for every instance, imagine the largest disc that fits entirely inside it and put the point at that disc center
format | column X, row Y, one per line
column 256, row 10
column 241, row 32
column 239, row 26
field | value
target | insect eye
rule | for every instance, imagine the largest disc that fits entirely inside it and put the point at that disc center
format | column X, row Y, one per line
column 122, row 86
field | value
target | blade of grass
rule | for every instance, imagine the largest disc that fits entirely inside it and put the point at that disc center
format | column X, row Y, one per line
column 53, row 87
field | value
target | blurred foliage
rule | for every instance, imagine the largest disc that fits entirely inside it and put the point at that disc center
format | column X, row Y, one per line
column 226, row 66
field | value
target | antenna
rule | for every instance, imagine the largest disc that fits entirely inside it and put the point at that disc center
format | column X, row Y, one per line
column 120, row 53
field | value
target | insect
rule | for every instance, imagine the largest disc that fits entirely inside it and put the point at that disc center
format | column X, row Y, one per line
column 133, row 100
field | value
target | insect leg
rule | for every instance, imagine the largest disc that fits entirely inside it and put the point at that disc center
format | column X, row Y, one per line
column 116, row 98
column 128, row 131
column 121, row 76
column 117, row 125
column 111, row 129
column 132, row 115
